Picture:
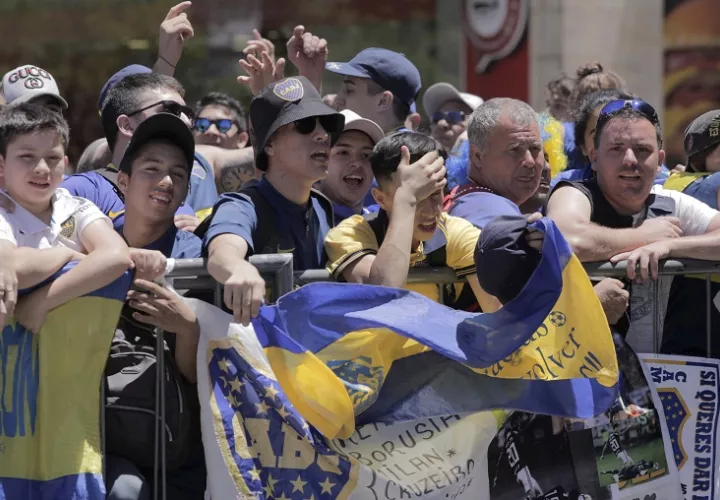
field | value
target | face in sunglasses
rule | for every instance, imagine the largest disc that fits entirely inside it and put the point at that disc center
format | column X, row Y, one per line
column 448, row 123
column 167, row 106
column 302, row 148
column 628, row 156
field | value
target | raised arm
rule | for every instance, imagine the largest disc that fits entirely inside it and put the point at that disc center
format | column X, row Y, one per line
column 232, row 167
column 571, row 210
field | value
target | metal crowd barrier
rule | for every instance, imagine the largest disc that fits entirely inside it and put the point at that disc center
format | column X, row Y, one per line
column 277, row 270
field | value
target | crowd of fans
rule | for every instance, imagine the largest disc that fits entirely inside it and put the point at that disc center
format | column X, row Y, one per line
column 352, row 182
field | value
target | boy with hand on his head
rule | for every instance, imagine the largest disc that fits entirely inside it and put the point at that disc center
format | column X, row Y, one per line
column 48, row 227
column 411, row 229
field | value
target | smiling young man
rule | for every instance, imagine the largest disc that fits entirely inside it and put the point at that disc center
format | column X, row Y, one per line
column 292, row 132
column 620, row 214
column 349, row 172
column 131, row 97
column 410, row 230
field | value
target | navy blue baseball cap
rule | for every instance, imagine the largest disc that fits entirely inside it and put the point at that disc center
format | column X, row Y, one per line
column 391, row 70
column 133, row 69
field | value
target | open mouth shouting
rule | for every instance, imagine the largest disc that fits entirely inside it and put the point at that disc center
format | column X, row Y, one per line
column 354, row 181
column 321, row 156
column 428, row 227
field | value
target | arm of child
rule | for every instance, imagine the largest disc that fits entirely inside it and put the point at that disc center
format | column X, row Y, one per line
column 108, row 258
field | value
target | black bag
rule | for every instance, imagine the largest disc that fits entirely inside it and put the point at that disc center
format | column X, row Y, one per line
column 130, row 410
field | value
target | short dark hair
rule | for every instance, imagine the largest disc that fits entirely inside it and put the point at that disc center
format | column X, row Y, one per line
column 221, row 99
column 400, row 109
column 122, row 98
column 386, row 155
column 28, row 118
column 589, row 103
column 626, row 113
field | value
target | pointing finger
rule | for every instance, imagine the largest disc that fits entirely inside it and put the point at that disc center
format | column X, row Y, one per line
column 177, row 10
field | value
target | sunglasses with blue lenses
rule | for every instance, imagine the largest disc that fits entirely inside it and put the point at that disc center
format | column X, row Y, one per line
column 452, row 117
column 642, row 107
column 223, row 125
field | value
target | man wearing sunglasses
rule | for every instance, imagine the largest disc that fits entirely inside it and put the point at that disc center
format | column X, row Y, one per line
column 448, row 110
column 220, row 121
column 621, row 215
column 292, row 132
column 131, row 96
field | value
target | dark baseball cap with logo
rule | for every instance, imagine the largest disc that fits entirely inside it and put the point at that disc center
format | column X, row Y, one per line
column 702, row 135
column 285, row 102
column 391, row 70
column 133, row 69
column 161, row 126
column 28, row 82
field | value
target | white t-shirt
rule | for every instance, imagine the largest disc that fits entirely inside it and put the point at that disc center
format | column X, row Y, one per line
column 71, row 215
column 695, row 216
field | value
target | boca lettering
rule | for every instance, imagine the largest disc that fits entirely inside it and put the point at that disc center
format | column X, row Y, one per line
column 19, row 381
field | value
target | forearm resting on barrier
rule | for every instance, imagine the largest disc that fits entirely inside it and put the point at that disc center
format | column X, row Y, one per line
column 108, row 258
column 34, row 266
column 226, row 253
column 703, row 247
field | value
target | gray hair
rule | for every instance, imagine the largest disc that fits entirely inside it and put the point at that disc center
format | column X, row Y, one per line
column 484, row 119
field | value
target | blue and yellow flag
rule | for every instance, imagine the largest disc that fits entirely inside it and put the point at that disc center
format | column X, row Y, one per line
column 50, row 445
column 353, row 391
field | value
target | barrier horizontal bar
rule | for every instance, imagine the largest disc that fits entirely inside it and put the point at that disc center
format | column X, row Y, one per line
column 439, row 275
column 273, row 263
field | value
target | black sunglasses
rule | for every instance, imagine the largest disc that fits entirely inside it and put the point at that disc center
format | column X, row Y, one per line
column 172, row 107
column 642, row 107
column 203, row 124
column 452, row 117
column 307, row 125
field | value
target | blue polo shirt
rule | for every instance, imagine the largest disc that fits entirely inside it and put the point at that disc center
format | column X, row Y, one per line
column 479, row 208
column 96, row 188
column 297, row 229
column 174, row 244
column 203, row 192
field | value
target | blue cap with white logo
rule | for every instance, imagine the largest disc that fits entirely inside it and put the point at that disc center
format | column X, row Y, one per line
column 391, row 70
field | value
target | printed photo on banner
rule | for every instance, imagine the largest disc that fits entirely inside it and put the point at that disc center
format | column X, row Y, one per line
column 688, row 390
column 624, row 453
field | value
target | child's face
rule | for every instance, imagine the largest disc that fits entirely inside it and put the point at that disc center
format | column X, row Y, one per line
column 427, row 211
column 33, row 168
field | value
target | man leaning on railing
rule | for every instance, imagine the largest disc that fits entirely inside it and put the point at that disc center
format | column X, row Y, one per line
column 619, row 215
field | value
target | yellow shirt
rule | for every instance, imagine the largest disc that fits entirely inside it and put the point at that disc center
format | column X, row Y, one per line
column 353, row 239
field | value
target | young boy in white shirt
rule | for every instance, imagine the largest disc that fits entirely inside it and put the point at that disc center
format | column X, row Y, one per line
column 48, row 227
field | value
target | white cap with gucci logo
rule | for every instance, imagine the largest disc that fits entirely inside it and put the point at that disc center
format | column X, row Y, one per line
column 29, row 82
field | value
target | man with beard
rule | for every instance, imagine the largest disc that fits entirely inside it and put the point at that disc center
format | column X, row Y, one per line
column 620, row 215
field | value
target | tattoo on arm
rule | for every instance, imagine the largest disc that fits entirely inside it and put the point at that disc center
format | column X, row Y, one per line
column 234, row 175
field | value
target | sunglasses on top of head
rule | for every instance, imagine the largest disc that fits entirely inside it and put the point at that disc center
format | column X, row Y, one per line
column 223, row 125
column 307, row 125
column 172, row 107
column 638, row 105
column 452, row 117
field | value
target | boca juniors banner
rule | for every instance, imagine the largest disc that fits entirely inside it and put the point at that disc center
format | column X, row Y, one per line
column 346, row 391
column 50, row 444
column 688, row 389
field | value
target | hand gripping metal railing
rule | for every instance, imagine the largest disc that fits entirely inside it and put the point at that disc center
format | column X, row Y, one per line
column 277, row 270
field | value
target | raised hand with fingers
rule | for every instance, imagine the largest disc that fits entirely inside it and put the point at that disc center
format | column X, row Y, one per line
column 309, row 54
column 175, row 30
column 257, row 45
column 261, row 72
